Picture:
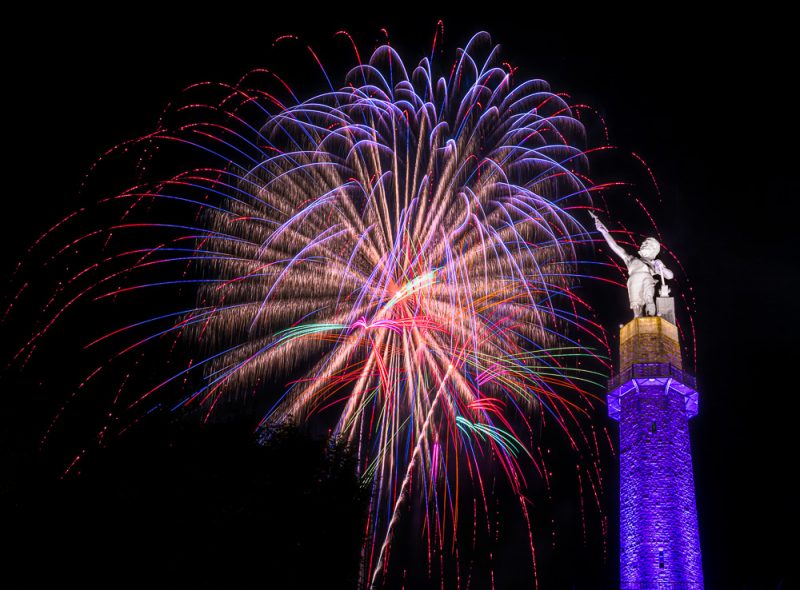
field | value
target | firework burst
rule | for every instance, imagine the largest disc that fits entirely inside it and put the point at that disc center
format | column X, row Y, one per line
column 404, row 246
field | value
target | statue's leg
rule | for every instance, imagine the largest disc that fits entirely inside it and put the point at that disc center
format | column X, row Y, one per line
column 637, row 310
column 648, row 292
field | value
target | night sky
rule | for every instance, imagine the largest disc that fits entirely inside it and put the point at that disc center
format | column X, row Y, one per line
column 707, row 105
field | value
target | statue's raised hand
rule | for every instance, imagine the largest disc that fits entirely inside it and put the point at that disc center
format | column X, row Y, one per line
column 599, row 224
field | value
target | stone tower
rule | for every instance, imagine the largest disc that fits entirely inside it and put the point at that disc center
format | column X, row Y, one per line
column 653, row 399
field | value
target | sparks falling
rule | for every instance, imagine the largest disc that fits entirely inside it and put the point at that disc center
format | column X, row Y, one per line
column 407, row 242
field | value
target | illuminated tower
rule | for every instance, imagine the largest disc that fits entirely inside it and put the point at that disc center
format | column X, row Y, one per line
column 653, row 399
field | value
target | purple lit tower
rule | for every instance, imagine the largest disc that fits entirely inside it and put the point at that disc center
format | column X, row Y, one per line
column 653, row 399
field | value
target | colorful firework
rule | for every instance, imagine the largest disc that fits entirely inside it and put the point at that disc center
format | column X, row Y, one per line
column 406, row 247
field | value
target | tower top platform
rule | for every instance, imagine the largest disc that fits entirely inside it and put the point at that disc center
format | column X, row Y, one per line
column 650, row 356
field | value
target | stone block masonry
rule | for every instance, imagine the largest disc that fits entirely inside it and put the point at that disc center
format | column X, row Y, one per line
column 659, row 538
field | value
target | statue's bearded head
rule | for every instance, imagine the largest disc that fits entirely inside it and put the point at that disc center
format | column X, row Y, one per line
column 650, row 249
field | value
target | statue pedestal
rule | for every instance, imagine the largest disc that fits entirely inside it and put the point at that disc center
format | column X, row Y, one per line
column 649, row 339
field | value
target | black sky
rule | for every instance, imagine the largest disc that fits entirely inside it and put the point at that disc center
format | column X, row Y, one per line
column 707, row 104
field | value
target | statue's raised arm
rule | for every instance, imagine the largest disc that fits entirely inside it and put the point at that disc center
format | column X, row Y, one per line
column 641, row 269
column 615, row 248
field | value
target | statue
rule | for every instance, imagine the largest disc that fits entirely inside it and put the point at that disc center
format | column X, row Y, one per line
column 641, row 269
